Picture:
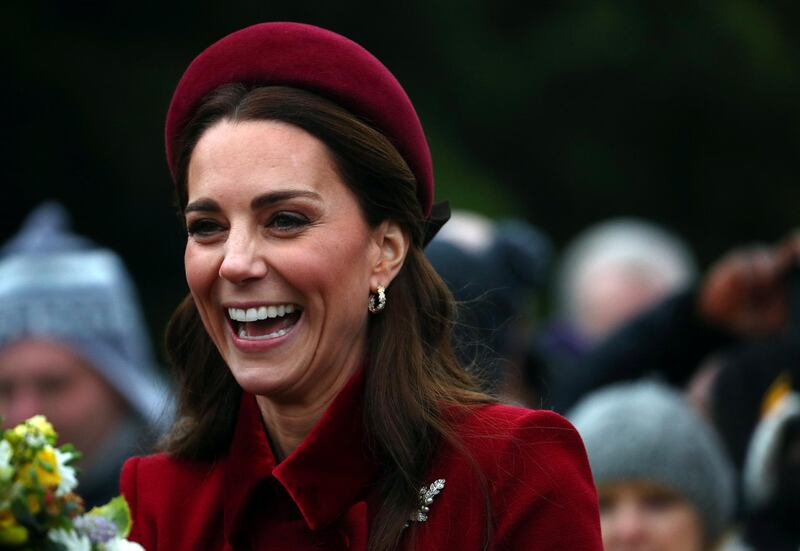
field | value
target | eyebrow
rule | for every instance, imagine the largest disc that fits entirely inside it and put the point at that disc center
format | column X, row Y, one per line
column 282, row 195
column 209, row 205
column 201, row 205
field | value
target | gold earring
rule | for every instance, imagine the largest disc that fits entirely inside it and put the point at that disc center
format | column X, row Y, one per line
column 377, row 301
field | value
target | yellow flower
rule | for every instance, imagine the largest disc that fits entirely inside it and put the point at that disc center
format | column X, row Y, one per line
column 17, row 434
column 44, row 468
column 34, row 432
column 43, row 426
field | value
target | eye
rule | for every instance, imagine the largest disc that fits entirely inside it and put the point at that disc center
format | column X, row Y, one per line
column 203, row 227
column 659, row 501
column 287, row 221
column 53, row 385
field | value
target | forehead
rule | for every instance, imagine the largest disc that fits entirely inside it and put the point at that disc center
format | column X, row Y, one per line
column 635, row 489
column 37, row 356
column 259, row 153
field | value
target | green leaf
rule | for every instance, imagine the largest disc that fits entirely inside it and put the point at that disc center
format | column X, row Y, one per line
column 13, row 536
column 118, row 512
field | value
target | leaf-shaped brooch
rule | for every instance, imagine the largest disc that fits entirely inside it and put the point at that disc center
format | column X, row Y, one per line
column 426, row 496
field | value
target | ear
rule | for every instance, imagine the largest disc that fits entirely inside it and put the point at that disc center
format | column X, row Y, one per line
column 392, row 246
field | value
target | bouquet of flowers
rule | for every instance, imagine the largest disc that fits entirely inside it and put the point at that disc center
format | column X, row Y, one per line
column 39, row 510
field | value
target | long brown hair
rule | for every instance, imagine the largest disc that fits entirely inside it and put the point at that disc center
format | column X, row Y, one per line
column 413, row 373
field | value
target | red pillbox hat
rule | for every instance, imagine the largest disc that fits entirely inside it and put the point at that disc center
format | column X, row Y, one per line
column 317, row 60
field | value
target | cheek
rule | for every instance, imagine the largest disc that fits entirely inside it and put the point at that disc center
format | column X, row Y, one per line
column 200, row 270
column 334, row 268
column 682, row 527
column 78, row 406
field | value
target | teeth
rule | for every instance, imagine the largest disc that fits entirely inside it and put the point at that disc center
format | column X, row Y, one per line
column 260, row 313
column 276, row 334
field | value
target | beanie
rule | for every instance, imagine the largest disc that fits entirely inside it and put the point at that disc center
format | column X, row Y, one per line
column 647, row 431
column 58, row 286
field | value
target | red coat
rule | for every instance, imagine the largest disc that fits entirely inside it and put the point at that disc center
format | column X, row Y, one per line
column 534, row 463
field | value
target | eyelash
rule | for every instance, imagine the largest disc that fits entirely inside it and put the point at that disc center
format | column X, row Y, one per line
column 202, row 227
column 281, row 221
column 288, row 221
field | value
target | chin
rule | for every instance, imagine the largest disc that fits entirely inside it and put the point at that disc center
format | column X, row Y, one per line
column 262, row 380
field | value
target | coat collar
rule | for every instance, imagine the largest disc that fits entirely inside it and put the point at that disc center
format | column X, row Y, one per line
column 327, row 473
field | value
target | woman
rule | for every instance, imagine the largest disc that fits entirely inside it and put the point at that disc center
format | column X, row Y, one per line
column 318, row 391
column 664, row 480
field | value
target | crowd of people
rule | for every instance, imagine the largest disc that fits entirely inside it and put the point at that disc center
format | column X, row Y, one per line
column 684, row 386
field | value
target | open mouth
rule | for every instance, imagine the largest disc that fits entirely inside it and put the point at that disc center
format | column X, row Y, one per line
column 264, row 322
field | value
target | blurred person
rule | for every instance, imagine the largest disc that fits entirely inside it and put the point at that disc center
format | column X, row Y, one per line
column 748, row 378
column 614, row 270
column 495, row 269
column 663, row 479
column 742, row 297
column 755, row 402
column 608, row 274
column 734, row 342
column 73, row 347
column 771, row 480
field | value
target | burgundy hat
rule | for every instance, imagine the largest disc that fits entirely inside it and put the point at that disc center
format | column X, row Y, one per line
column 317, row 60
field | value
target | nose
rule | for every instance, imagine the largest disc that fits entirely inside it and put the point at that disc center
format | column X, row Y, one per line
column 244, row 258
column 625, row 529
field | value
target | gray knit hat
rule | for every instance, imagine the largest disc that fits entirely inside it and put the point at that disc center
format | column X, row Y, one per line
column 59, row 286
column 646, row 431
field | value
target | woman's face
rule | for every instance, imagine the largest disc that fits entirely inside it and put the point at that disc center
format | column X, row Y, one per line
column 279, row 258
column 646, row 516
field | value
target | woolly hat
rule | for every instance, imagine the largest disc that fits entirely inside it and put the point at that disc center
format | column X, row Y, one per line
column 59, row 286
column 314, row 59
column 646, row 431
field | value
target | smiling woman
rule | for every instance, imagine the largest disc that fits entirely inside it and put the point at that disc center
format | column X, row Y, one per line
column 283, row 230
column 320, row 402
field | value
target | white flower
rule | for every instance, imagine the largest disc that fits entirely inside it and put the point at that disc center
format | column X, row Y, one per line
column 68, row 480
column 121, row 545
column 71, row 540
column 6, row 470
column 35, row 440
column 5, row 453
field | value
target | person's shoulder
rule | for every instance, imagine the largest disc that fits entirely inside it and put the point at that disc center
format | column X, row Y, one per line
column 509, row 423
column 168, row 496
column 163, row 462
column 149, row 468
column 507, row 438
column 161, row 476
column 534, row 467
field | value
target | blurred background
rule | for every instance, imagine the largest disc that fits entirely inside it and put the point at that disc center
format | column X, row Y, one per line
column 560, row 113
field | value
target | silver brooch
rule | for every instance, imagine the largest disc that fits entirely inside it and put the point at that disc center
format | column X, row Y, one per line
column 426, row 496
